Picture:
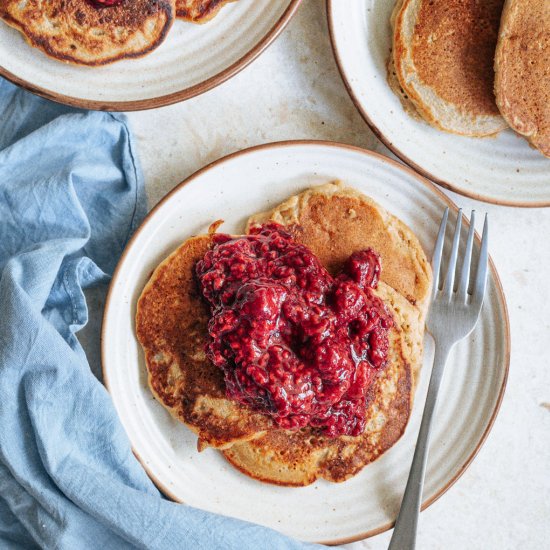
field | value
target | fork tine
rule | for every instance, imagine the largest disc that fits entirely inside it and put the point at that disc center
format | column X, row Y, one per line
column 438, row 250
column 481, row 272
column 450, row 277
column 465, row 274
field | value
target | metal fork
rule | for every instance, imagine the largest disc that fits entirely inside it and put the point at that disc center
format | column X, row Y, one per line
column 453, row 314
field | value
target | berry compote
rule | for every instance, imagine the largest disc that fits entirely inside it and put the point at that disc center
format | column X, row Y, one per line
column 293, row 341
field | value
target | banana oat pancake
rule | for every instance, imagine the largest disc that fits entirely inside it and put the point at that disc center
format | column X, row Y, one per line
column 443, row 52
column 299, row 458
column 522, row 66
column 171, row 325
column 91, row 32
column 334, row 221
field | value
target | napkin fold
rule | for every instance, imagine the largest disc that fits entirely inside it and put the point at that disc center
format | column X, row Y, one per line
column 71, row 194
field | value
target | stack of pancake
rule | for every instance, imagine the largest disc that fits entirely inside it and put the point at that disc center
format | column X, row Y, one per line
column 474, row 68
column 171, row 325
column 97, row 32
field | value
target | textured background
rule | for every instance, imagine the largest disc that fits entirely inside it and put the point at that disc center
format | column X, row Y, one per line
column 294, row 91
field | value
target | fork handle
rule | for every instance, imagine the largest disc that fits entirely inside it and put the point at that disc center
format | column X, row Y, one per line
column 404, row 533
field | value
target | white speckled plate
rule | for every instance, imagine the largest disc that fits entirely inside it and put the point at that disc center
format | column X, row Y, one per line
column 193, row 59
column 503, row 170
column 234, row 187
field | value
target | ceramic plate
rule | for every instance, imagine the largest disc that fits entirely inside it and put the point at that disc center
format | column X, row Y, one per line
column 234, row 187
column 192, row 59
column 503, row 169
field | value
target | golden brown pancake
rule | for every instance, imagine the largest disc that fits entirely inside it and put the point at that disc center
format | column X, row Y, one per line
column 299, row 458
column 199, row 11
column 443, row 52
column 171, row 325
column 522, row 67
column 334, row 221
column 77, row 32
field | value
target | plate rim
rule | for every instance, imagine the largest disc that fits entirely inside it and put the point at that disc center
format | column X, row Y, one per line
column 378, row 156
column 395, row 150
column 168, row 99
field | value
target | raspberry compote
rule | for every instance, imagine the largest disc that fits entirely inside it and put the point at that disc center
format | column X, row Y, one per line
column 293, row 341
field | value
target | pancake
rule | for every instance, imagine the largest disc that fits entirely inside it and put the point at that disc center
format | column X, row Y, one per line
column 334, row 221
column 77, row 32
column 443, row 52
column 299, row 458
column 171, row 325
column 199, row 11
column 522, row 67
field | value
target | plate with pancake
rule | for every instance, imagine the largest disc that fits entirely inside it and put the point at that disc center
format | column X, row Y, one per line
column 204, row 448
column 443, row 83
column 124, row 55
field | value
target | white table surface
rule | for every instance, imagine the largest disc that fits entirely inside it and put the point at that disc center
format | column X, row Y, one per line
column 294, row 90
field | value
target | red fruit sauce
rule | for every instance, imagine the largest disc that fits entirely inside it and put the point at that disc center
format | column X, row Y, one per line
column 293, row 341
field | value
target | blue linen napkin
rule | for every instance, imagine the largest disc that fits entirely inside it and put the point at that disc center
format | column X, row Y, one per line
column 71, row 193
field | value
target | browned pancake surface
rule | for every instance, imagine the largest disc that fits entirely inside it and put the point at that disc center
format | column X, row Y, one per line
column 453, row 51
column 522, row 65
column 77, row 32
column 299, row 458
column 199, row 11
column 171, row 325
column 334, row 221
column 443, row 52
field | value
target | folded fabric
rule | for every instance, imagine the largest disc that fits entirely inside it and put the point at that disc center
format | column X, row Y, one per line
column 71, row 194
